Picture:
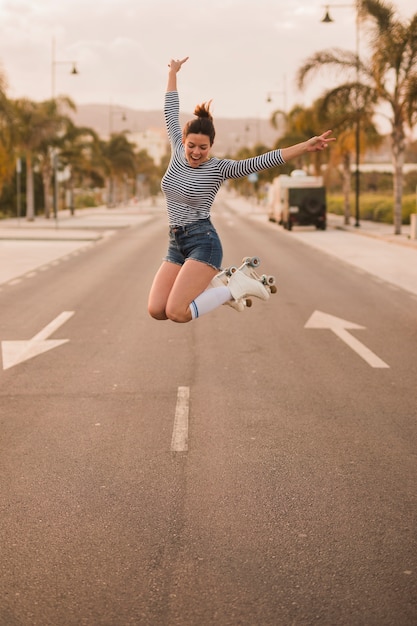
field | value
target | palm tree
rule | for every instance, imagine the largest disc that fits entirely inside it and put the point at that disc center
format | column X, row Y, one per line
column 119, row 161
column 300, row 124
column 331, row 111
column 147, row 174
column 340, row 113
column 77, row 151
column 53, row 132
column 7, row 139
column 388, row 77
column 37, row 126
column 28, row 133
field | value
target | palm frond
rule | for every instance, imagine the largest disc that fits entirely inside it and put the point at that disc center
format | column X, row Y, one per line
column 381, row 13
column 411, row 100
column 335, row 58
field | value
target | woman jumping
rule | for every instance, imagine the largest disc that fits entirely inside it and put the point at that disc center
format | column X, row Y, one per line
column 183, row 288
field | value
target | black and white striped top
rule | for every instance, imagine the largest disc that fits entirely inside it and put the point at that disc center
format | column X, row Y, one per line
column 190, row 191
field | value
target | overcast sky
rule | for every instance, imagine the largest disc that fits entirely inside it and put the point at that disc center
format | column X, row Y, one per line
column 239, row 49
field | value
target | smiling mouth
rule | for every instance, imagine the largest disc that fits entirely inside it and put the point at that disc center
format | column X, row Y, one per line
column 194, row 160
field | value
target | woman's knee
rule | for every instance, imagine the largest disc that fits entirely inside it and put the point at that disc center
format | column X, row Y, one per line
column 170, row 313
column 177, row 314
column 157, row 313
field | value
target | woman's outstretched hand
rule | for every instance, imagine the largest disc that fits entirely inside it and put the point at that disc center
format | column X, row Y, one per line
column 319, row 143
column 175, row 64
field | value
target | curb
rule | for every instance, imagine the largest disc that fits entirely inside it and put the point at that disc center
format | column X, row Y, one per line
column 400, row 240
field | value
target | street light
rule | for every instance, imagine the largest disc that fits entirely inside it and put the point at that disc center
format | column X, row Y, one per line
column 328, row 20
column 74, row 70
column 54, row 63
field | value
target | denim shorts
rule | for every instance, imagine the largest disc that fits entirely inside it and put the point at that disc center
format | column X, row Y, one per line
column 198, row 241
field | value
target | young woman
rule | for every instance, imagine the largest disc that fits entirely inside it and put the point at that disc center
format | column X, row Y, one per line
column 180, row 291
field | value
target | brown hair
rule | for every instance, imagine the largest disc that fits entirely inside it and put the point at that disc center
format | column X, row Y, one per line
column 203, row 125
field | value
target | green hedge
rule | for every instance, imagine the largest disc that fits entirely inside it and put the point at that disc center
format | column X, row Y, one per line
column 85, row 200
column 374, row 207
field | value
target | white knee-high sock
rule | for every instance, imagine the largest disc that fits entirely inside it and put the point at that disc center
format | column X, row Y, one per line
column 209, row 300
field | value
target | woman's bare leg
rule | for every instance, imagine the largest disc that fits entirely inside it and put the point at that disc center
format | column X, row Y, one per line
column 161, row 288
column 193, row 278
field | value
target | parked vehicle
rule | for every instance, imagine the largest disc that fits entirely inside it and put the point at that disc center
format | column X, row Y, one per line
column 297, row 199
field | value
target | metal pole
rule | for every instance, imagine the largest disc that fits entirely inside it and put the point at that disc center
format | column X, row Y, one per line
column 53, row 69
column 55, row 195
column 358, row 124
column 18, row 193
column 327, row 19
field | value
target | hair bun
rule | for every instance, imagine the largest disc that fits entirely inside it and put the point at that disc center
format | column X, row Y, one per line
column 203, row 110
column 202, row 124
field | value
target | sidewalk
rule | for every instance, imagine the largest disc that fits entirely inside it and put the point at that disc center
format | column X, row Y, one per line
column 372, row 247
column 26, row 247
column 377, row 230
column 87, row 224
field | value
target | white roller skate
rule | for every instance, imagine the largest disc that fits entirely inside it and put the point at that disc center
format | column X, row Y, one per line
column 221, row 280
column 243, row 286
column 248, row 267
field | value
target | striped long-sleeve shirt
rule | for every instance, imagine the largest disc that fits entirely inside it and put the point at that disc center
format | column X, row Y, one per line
column 190, row 191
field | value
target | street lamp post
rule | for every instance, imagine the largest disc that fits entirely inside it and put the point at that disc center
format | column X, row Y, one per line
column 74, row 70
column 54, row 63
column 18, row 187
column 56, row 184
column 327, row 20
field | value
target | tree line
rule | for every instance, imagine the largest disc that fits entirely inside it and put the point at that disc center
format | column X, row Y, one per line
column 40, row 143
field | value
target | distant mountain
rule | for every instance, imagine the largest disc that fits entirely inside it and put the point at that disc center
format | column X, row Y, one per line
column 231, row 134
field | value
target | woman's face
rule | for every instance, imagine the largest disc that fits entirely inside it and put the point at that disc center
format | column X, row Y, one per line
column 197, row 148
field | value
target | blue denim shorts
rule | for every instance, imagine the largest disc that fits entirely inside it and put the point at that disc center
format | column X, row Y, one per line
column 198, row 241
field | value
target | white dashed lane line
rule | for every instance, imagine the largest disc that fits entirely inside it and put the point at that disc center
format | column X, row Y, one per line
column 179, row 441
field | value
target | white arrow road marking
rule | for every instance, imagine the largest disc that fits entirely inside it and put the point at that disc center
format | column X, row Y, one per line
column 15, row 352
column 179, row 441
column 339, row 327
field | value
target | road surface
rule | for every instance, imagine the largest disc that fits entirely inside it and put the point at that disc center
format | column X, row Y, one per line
column 292, row 496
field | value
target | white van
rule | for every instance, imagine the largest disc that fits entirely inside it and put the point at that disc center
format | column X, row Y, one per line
column 297, row 199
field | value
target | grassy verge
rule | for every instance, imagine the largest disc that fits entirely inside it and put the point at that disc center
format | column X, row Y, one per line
column 375, row 207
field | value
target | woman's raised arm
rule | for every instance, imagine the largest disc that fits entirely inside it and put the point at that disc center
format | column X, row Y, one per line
column 311, row 145
column 174, row 67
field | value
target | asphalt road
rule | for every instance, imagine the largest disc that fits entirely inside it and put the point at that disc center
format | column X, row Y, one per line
column 293, row 501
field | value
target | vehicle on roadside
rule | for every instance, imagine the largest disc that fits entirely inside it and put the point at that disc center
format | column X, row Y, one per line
column 297, row 199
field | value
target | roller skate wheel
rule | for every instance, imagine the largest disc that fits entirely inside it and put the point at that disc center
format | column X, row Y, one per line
column 273, row 288
column 253, row 261
column 248, row 302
